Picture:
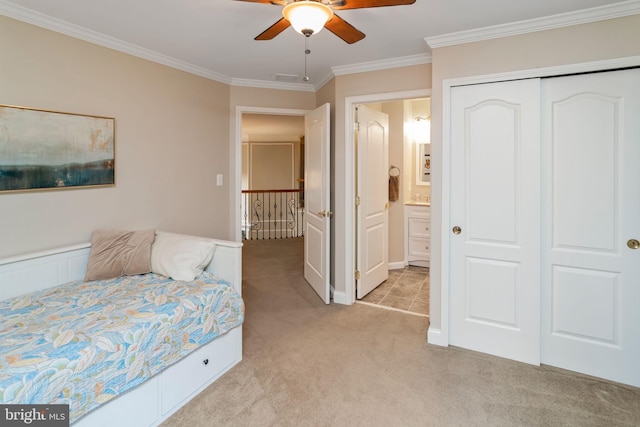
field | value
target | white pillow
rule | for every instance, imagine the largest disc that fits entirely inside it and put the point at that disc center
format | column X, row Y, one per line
column 180, row 257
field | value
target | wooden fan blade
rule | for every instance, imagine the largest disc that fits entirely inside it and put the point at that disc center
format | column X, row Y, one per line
column 274, row 30
column 361, row 4
column 344, row 30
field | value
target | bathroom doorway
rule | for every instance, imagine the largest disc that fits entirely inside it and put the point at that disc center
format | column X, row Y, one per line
column 407, row 285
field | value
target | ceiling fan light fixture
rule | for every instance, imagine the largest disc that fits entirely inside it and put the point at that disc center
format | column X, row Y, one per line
column 307, row 17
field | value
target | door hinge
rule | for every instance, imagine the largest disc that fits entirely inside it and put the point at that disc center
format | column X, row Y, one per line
column 356, row 126
column 357, row 201
column 357, row 275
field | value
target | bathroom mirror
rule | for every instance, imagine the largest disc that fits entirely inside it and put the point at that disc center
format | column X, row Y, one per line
column 423, row 164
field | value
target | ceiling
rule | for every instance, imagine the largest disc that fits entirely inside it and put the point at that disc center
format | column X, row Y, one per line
column 215, row 38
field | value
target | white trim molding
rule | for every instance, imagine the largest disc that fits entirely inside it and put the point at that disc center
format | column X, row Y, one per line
column 36, row 18
column 397, row 265
column 363, row 67
column 339, row 297
column 435, row 337
column 601, row 13
column 60, row 26
column 266, row 84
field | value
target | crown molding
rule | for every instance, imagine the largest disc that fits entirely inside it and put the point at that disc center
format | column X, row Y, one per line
column 266, row 84
column 403, row 61
column 326, row 79
column 31, row 17
column 601, row 13
column 41, row 20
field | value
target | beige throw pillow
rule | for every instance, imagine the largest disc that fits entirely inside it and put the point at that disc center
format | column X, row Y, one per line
column 116, row 253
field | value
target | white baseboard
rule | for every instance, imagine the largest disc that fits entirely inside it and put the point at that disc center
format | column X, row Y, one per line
column 396, row 265
column 419, row 263
column 339, row 297
column 435, row 337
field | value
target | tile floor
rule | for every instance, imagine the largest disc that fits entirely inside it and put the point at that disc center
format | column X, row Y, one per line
column 406, row 289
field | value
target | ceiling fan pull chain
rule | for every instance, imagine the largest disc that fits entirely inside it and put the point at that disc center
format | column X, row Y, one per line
column 307, row 51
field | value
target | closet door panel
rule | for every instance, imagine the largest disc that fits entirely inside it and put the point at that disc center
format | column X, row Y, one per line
column 591, row 277
column 585, row 305
column 492, row 195
column 585, row 144
column 495, row 209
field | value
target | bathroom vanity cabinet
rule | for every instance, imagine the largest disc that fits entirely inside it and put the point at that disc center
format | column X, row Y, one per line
column 418, row 234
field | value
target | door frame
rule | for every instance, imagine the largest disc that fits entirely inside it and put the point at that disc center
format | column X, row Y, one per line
column 440, row 336
column 350, row 102
column 235, row 154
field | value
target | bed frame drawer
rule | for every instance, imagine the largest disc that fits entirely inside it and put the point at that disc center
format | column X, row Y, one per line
column 199, row 369
column 140, row 408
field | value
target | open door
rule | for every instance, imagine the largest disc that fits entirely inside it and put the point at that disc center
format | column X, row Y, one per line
column 372, row 258
column 317, row 209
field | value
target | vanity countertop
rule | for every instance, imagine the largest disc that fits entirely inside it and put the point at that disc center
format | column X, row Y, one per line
column 417, row 203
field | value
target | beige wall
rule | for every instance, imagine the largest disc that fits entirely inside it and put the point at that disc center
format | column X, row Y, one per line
column 273, row 150
column 616, row 38
column 273, row 165
column 271, row 98
column 172, row 132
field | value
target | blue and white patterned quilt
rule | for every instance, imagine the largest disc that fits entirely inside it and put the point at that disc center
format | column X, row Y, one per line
column 84, row 343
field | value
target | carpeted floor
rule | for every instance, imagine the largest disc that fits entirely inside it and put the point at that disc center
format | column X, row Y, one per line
column 309, row 364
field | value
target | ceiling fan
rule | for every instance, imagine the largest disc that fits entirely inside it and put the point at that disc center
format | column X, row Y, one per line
column 323, row 16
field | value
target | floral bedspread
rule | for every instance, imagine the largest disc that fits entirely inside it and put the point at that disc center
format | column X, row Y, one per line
column 84, row 343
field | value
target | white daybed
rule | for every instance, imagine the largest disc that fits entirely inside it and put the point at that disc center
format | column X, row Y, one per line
column 153, row 401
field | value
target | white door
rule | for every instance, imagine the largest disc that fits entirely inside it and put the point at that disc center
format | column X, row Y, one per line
column 317, row 208
column 495, row 215
column 372, row 230
column 591, row 271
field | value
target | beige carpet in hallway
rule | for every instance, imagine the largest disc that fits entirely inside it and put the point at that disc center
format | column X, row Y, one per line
column 308, row 364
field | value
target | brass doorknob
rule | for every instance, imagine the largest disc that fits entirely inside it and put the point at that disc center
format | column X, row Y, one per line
column 633, row 244
column 456, row 230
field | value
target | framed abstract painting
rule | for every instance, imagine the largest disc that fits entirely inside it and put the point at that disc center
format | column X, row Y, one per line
column 42, row 150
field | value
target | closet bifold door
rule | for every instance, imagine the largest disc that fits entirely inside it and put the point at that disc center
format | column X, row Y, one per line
column 495, row 217
column 591, row 268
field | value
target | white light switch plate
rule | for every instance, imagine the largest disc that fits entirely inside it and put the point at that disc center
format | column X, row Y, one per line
column 219, row 179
